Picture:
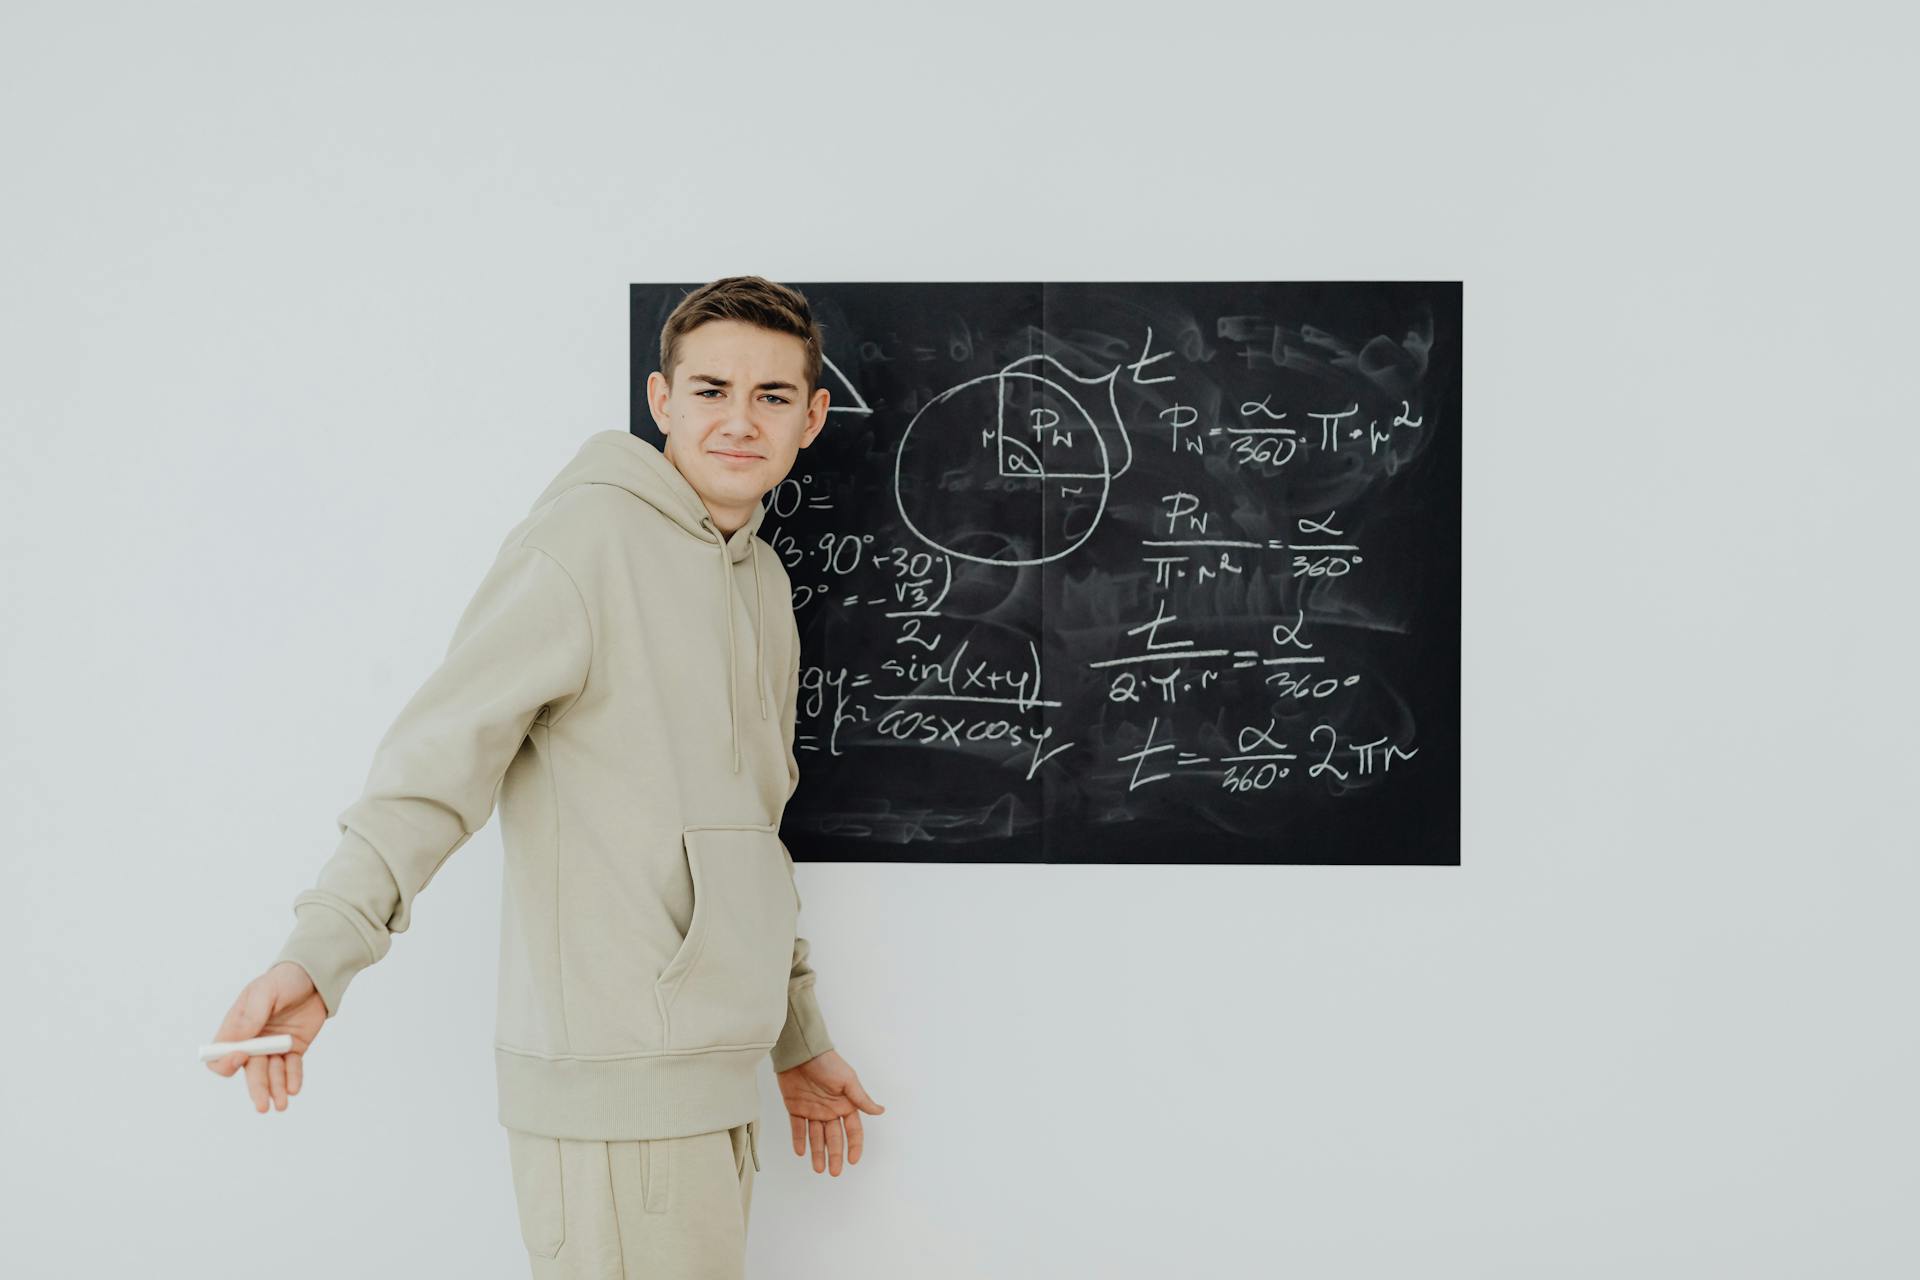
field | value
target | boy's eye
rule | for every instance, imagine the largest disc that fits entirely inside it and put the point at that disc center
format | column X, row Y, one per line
column 714, row 391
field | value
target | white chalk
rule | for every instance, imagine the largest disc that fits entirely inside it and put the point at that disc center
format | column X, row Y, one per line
column 257, row 1045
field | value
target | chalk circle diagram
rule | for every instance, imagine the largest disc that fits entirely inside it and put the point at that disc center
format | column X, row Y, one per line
column 1012, row 432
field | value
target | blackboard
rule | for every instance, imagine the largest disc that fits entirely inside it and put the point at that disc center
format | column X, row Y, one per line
column 1124, row 572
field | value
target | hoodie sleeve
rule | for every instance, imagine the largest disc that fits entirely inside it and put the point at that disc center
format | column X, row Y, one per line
column 522, row 645
column 805, row 1034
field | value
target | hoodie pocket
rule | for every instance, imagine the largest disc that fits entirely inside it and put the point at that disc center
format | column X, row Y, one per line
column 727, row 984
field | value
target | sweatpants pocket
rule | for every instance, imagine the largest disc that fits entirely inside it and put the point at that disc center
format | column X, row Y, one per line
column 727, row 983
column 538, row 1191
column 738, row 1138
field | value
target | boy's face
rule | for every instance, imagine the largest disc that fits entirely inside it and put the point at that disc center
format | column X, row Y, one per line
column 733, row 417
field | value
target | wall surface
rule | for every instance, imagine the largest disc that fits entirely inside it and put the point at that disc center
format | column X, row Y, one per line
column 301, row 306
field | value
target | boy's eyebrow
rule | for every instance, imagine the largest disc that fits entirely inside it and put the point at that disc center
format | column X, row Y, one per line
column 763, row 386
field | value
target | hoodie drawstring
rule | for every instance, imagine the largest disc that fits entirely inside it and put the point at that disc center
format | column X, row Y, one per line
column 759, row 635
column 759, row 640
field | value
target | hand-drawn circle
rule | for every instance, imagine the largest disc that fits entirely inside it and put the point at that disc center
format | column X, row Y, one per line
column 999, row 387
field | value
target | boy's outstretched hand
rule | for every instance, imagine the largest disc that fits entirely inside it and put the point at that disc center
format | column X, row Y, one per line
column 281, row 1001
column 822, row 1095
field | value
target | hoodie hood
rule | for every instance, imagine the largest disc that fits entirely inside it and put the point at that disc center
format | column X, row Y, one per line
column 624, row 459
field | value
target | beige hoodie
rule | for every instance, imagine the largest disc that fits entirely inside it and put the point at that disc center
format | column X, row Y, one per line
column 627, row 687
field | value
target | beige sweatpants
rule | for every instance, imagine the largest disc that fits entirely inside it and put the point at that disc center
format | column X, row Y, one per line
column 642, row 1209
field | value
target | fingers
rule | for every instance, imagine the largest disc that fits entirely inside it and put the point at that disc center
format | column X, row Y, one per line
column 257, row 1081
column 863, row 1099
column 248, row 1013
column 836, row 1147
column 229, row 1028
column 272, row 1078
column 834, row 1142
column 233, row 1027
column 856, row 1137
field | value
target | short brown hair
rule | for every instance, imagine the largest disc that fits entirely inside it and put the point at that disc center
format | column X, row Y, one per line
column 754, row 300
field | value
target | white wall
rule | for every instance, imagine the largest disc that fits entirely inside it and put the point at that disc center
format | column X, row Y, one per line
column 300, row 307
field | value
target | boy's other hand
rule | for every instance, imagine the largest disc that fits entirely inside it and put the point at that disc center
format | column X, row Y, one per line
column 280, row 1001
column 822, row 1095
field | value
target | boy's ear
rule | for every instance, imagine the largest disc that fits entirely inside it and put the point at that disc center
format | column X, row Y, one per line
column 657, row 392
column 816, row 409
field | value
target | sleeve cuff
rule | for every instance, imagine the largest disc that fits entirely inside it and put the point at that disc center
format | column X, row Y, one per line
column 805, row 1035
column 328, row 946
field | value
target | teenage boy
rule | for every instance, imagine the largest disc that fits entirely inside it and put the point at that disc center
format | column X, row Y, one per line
column 624, row 682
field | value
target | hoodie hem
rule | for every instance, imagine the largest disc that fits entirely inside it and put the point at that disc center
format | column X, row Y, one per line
column 658, row 1095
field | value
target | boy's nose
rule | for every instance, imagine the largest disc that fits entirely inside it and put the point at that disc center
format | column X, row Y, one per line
column 740, row 419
